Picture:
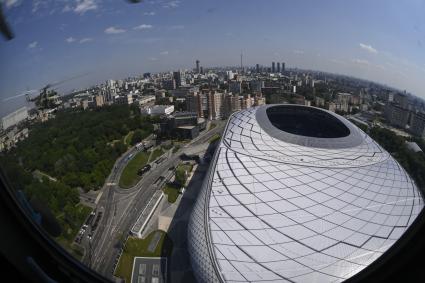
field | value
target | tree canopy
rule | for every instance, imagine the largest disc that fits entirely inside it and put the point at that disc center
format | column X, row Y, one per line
column 78, row 149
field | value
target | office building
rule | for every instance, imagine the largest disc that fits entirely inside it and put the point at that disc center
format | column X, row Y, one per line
column 197, row 67
column 229, row 75
column 283, row 67
column 231, row 104
column 401, row 99
column 298, row 194
column 278, row 67
column 273, row 67
column 259, row 100
column 396, row 115
column 245, row 101
column 123, row 99
column 257, row 68
column 146, row 75
column 194, row 103
column 256, row 85
column 177, row 76
column 99, row 101
column 235, row 86
column 169, row 84
column 417, row 126
column 215, row 105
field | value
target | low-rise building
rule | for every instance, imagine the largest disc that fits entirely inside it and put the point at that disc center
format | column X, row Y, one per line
column 146, row 99
column 185, row 125
column 157, row 110
column 123, row 99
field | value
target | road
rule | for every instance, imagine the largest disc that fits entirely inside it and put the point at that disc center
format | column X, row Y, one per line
column 121, row 208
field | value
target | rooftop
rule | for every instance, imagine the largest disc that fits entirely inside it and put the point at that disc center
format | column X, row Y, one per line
column 278, row 210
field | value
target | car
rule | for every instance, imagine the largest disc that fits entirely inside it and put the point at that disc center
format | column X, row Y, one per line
column 144, row 169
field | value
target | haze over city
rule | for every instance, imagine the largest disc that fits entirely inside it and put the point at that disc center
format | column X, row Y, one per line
column 380, row 41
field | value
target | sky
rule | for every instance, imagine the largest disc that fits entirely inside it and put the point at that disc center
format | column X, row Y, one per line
column 96, row 40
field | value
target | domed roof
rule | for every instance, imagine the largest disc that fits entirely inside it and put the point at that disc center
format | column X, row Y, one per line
column 298, row 207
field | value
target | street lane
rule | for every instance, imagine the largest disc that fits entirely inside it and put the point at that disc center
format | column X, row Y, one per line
column 116, row 223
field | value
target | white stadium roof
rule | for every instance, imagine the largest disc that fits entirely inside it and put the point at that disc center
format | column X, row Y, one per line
column 282, row 206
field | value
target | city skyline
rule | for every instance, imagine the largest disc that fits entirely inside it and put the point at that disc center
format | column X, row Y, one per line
column 113, row 39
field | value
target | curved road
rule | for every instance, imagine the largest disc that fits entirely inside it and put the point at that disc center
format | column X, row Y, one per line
column 121, row 208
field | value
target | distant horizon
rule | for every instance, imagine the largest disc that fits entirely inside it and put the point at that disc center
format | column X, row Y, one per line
column 382, row 41
column 21, row 100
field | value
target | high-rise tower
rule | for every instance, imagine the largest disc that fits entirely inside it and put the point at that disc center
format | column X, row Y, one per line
column 197, row 67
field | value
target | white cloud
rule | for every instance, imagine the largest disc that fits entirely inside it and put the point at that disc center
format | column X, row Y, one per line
column 164, row 53
column 33, row 45
column 149, row 13
column 11, row 3
column 67, row 8
column 36, row 4
column 114, row 30
column 84, row 6
column 360, row 61
column 143, row 26
column 86, row 39
column 368, row 48
column 153, row 59
column 298, row 52
column 171, row 4
column 70, row 39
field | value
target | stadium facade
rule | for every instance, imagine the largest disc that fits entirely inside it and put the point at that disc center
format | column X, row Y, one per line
column 299, row 194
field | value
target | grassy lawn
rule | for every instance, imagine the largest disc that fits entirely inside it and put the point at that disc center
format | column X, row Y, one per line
column 214, row 138
column 129, row 176
column 172, row 191
column 212, row 126
column 181, row 173
column 139, row 247
column 156, row 153
column 176, row 148
column 184, row 167
column 128, row 138
column 111, row 143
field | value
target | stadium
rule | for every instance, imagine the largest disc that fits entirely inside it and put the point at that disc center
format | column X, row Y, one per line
column 298, row 194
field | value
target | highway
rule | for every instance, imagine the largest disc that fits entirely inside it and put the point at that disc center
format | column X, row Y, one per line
column 121, row 207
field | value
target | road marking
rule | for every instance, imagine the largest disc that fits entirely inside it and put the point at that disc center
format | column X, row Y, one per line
column 98, row 197
column 111, row 184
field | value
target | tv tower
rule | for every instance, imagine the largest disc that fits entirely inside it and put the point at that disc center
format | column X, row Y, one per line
column 241, row 62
